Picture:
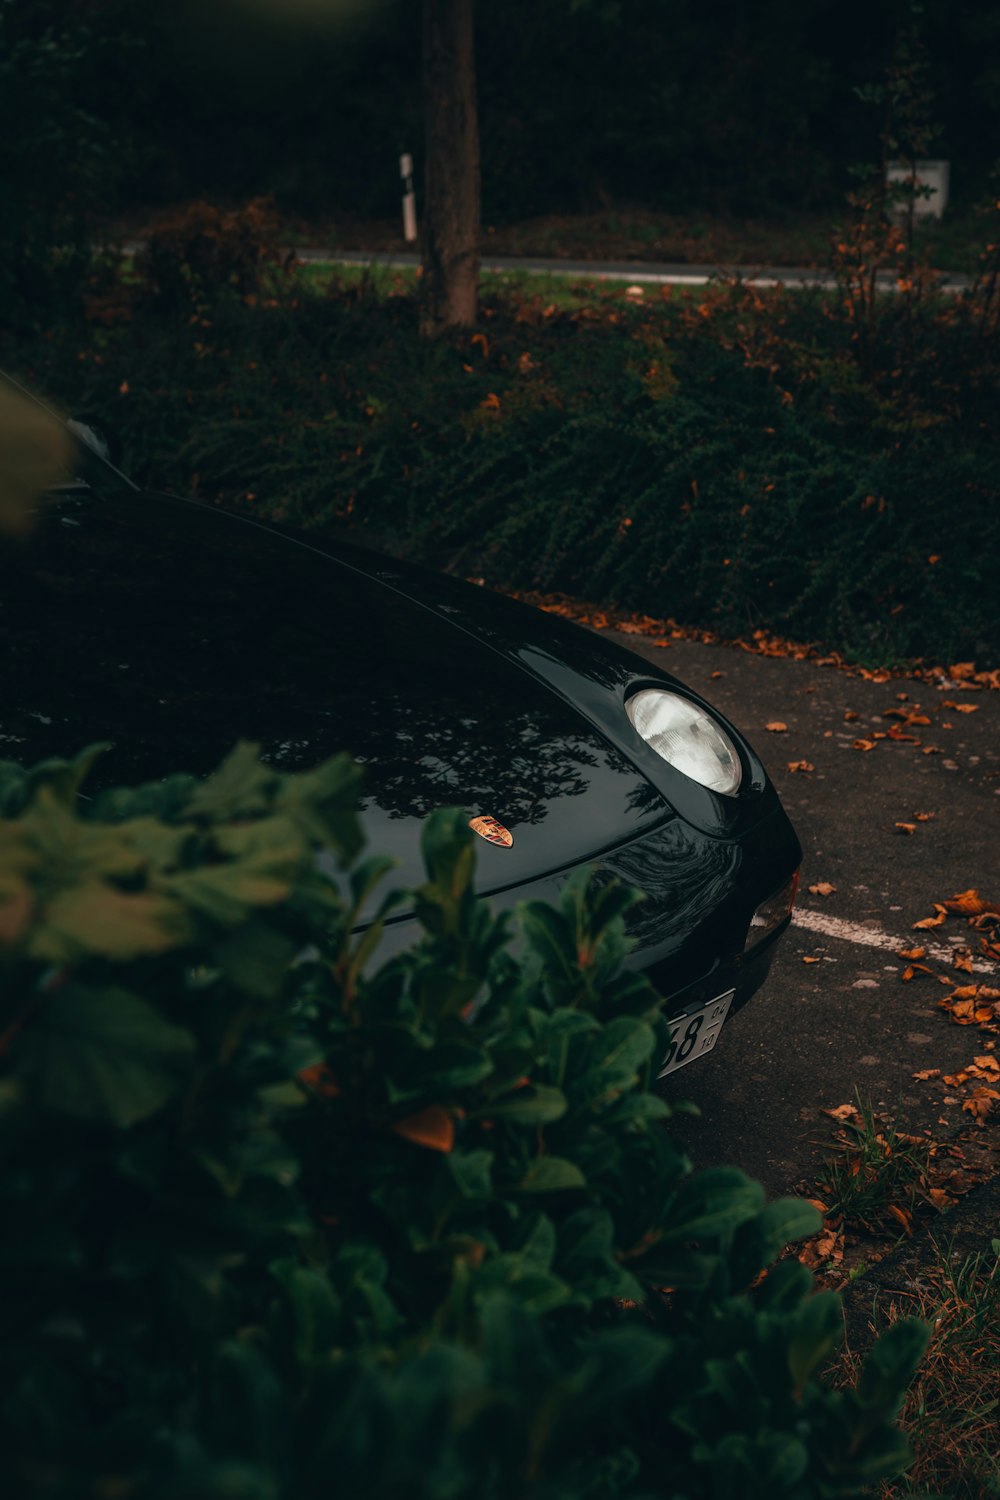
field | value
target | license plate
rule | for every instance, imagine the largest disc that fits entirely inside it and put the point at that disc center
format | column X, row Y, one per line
column 695, row 1034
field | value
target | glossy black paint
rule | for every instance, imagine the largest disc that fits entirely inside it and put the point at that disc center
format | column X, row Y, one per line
column 172, row 629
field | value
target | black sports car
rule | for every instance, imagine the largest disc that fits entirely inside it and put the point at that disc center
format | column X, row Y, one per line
column 173, row 629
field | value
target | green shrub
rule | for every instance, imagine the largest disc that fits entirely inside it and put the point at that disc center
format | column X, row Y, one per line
column 280, row 1220
column 201, row 254
column 726, row 461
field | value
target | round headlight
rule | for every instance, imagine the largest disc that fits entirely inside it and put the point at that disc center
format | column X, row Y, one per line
column 686, row 737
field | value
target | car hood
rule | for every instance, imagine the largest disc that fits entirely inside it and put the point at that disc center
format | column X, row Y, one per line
column 173, row 630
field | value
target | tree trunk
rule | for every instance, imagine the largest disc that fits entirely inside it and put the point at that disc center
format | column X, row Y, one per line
column 449, row 290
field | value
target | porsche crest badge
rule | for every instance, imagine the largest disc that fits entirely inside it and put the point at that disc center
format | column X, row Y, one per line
column 492, row 831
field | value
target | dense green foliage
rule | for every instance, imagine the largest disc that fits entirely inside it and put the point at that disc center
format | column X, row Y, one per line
column 820, row 465
column 280, row 1221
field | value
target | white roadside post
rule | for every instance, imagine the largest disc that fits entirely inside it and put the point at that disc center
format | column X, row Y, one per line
column 409, row 199
column 928, row 181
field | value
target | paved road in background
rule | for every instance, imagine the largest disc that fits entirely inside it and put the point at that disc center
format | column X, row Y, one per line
column 818, row 1032
column 634, row 272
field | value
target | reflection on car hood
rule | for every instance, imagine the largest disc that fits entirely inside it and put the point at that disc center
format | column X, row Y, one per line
column 173, row 630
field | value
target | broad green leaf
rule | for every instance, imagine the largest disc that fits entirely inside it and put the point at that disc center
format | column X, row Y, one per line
column 624, row 1045
column 448, row 1066
column 104, row 1054
column 637, row 1107
column 612, row 901
column 313, row 1311
column 359, row 1275
column 535, row 1105
column 366, row 877
column 535, row 1290
column 447, row 844
column 256, row 958
column 628, row 1360
column 158, row 845
column 549, row 934
column 539, row 1245
column 63, row 778
column 881, row 1454
column 71, row 850
column 551, row 1174
column 471, row 1172
column 676, row 1265
column 227, row 893
column 241, row 788
column 815, row 1333
column 323, row 803
column 712, row 1204
column 758, row 1242
column 890, row 1365
column 249, row 1404
column 783, row 1460
column 563, row 1024
column 96, row 918
column 784, row 1287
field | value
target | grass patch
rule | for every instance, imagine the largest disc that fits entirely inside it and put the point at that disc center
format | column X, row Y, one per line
column 951, row 1412
column 635, row 233
column 877, row 1175
column 564, row 293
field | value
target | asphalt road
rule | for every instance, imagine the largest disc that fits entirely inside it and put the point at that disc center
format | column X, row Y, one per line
column 819, row 1032
column 655, row 273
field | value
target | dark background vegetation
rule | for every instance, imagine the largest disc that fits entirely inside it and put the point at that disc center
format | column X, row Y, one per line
column 583, row 103
column 822, row 466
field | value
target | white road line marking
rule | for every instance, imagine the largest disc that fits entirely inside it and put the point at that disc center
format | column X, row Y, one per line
column 874, row 937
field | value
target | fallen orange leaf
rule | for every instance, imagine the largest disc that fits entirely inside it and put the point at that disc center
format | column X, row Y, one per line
column 863, row 745
column 905, row 1218
column 801, row 765
column 913, row 953
column 822, row 888
column 980, row 1103
column 967, row 992
column 906, row 827
column 320, row 1080
column 970, row 904
column 777, row 727
column 432, row 1127
column 807, row 959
